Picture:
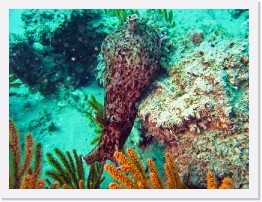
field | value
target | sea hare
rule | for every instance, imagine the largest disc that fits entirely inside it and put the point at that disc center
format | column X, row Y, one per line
column 131, row 55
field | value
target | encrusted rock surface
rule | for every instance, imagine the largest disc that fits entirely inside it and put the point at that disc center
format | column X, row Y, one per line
column 200, row 112
column 59, row 47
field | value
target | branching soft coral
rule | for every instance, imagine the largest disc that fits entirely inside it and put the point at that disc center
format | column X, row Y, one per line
column 22, row 175
column 130, row 164
column 212, row 184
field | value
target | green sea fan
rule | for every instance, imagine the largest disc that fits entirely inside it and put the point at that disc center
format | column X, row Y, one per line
column 66, row 170
column 97, row 119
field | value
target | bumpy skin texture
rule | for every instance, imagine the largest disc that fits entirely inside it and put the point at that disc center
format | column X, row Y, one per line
column 131, row 55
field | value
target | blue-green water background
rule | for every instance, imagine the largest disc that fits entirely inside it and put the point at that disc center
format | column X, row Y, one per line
column 32, row 112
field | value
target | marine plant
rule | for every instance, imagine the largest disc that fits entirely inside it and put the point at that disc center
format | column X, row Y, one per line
column 121, row 13
column 95, row 178
column 133, row 175
column 69, row 171
column 168, row 16
column 24, row 175
column 97, row 118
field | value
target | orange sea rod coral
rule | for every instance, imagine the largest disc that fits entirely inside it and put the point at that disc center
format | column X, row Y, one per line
column 118, row 175
column 17, row 171
column 212, row 184
column 173, row 178
column 154, row 175
column 226, row 184
column 114, row 185
column 130, row 163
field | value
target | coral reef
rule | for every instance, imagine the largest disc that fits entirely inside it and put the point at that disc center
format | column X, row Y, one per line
column 130, row 163
column 235, row 13
column 196, row 112
column 201, row 110
column 131, row 56
column 196, row 36
column 22, row 175
column 212, row 184
column 14, row 83
column 59, row 48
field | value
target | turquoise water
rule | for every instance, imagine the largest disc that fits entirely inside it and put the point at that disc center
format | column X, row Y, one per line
column 195, row 107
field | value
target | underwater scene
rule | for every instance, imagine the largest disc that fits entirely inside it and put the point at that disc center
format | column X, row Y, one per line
column 129, row 99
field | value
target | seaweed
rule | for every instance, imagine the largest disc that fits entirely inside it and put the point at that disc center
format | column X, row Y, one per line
column 21, row 174
column 168, row 16
column 97, row 119
column 122, row 14
column 69, row 171
column 66, row 170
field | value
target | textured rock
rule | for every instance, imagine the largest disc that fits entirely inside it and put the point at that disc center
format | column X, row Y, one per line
column 60, row 47
column 200, row 112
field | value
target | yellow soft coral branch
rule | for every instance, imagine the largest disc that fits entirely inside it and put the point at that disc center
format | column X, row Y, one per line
column 157, row 179
column 133, row 166
column 114, row 185
column 18, row 171
column 226, row 184
column 121, row 158
column 26, row 182
column 117, row 175
column 28, row 153
column 81, row 184
column 171, row 181
column 136, row 161
column 66, row 186
column 16, row 150
column 211, row 182
column 41, row 184
column 173, row 177
column 55, row 185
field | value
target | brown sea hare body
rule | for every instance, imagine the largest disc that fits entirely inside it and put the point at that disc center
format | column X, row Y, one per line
column 131, row 55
